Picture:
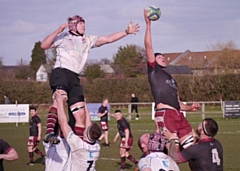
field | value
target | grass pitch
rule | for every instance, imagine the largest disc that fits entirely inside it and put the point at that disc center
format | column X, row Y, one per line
column 109, row 160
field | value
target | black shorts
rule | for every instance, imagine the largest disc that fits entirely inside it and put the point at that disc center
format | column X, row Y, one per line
column 69, row 81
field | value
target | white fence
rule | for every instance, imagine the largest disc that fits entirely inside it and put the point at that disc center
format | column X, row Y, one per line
column 202, row 112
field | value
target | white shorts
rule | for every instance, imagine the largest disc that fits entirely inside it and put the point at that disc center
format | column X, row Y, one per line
column 156, row 161
column 57, row 156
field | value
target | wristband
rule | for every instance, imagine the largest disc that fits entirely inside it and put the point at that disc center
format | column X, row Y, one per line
column 128, row 28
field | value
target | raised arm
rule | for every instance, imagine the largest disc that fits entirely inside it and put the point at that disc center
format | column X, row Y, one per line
column 88, row 118
column 62, row 117
column 148, row 40
column 172, row 151
column 185, row 107
column 48, row 41
column 131, row 29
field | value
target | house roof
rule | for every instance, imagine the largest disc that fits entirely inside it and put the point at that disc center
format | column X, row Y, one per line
column 179, row 69
column 193, row 59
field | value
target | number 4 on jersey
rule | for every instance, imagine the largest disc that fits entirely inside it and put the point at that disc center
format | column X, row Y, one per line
column 215, row 157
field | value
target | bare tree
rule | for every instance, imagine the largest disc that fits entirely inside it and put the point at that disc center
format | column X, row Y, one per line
column 229, row 58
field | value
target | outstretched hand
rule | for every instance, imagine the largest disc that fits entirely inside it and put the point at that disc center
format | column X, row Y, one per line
column 195, row 106
column 146, row 17
column 133, row 29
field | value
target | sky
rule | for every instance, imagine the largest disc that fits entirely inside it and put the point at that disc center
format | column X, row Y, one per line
column 183, row 25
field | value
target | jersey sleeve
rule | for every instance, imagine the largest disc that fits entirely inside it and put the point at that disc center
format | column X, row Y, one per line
column 100, row 109
column 74, row 141
column 189, row 153
column 93, row 40
column 150, row 66
column 142, row 164
column 37, row 120
column 58, row 40
column 5, row 147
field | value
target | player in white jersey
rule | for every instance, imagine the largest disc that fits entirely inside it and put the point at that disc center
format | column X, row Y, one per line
column 154, row 159
column 83, row 152
column 57, row 156
column 72, row 49
column 157, row 161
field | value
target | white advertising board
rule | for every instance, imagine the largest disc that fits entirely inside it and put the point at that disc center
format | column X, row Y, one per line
column 12, row 113
column 93, row 110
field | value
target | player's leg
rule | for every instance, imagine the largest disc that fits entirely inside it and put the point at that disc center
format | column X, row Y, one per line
column 176, row 122
column 30, row 146
column 36, row 150
column 76, row 103
column 123, row 158
column 185, row 134
column 77, row 110
column 122, row 151
column 136, row 110
column 127, row 154
column 102, row 126
column 167, row 120
column 106, row 138
column 58, row 81
column 52, row 119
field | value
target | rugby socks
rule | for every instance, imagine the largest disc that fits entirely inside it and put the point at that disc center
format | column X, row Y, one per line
column 123, row 162
column 79, row 131
column 39, row 152
column 30, row 156
column 132, row 159
column 51, row 120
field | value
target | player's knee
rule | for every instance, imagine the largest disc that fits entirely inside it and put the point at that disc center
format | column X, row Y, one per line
column 188, row 141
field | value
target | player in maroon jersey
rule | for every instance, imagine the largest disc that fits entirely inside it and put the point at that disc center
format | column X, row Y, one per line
column 103, row 114
column 207, row 154
column 124, row 131
column 35, row 136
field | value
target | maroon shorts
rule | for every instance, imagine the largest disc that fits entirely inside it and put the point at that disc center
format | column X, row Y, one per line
column 32, row 141
column 104, row 125
column 174, row 121
column 130, row 143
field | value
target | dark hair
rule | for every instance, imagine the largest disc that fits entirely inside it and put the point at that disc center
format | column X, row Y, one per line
column 156, row 54
column 117, row 111
column 95, row 132
column 33, row 108
column 210, row 127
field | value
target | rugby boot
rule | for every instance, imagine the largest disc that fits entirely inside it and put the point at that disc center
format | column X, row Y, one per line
column 51, row 138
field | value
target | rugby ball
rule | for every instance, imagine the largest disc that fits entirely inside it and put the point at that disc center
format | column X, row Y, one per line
column 153, row 12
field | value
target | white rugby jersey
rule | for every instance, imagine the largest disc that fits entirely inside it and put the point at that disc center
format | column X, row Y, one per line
column 72, row 51
column 57, row 156
column 157, row 161
column 83, row 156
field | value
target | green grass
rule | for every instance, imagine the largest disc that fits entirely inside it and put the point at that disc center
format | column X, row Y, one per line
column 229, row 135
